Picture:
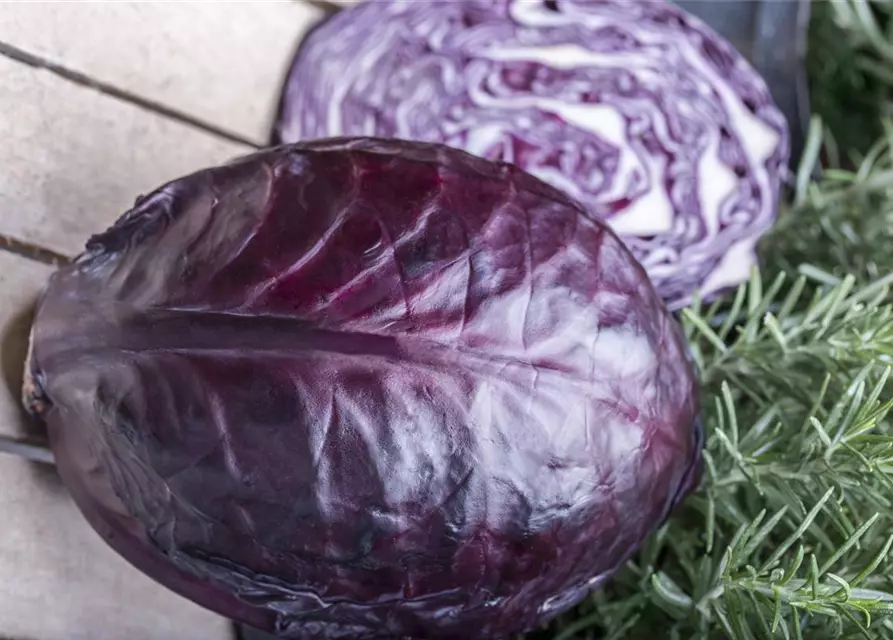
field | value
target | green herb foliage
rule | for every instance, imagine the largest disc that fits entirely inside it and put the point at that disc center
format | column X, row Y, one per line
column 849, row 66
column 790, row 533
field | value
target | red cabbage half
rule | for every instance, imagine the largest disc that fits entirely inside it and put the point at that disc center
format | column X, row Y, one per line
column 362, row 388
column 637, row 109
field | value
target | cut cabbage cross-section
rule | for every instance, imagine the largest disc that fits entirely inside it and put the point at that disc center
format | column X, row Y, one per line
column 636, row 109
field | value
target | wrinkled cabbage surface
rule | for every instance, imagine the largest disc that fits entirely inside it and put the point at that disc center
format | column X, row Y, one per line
column 358, row 388
column 639, row 110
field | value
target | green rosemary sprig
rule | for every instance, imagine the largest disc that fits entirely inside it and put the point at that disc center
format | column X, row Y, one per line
column 790, row 534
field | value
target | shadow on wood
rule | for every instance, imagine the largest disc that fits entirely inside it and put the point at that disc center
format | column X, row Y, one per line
column 31, row 440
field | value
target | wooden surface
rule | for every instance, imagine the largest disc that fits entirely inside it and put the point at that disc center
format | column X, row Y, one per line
column 99, row 103
column 74, row 159
column 222, row 66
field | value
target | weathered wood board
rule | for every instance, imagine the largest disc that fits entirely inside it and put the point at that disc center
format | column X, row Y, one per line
column 100, row 103
column 74, row 159
column 219, row 64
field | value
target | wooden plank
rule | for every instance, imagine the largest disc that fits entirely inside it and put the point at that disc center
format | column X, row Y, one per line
column 59, row 580
column 222, row 64
column 74, row 159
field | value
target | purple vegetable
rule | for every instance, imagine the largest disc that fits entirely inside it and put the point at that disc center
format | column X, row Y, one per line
column 637, row 109
column 362, row 388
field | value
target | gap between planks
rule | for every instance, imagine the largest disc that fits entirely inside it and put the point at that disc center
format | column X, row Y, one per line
column 81, row 79
column 48, row 256
column 33, row 252
column 329, row 7
column 324, row 5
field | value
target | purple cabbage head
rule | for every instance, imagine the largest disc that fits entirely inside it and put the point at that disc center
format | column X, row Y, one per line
column 637, row 109
column 362, row 388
